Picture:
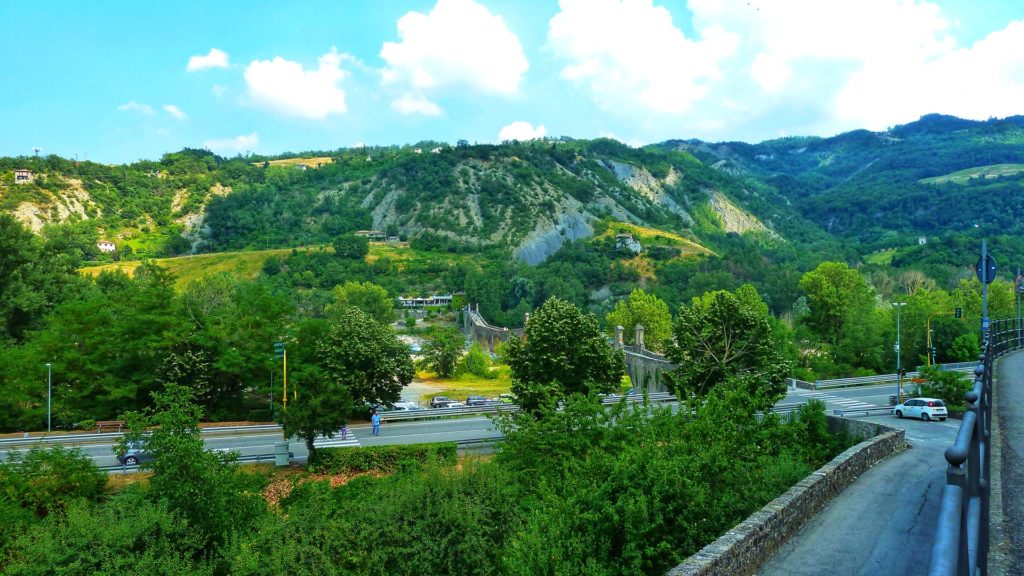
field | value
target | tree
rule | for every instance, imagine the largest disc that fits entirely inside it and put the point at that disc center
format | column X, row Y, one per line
column 366, row 357
column 835, row 293
column 351, row 247
column 965, row 348
column 441, row 354
column 646, row 310
column 562, row 352
column 321, row 407
column 366, row 296
column 725, row 337
column 203, row 486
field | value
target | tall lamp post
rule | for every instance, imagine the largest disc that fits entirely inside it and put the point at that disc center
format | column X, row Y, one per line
column 49, row 395
column 899, row 371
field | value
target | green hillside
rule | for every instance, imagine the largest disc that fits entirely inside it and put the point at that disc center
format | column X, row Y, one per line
column 981, row 172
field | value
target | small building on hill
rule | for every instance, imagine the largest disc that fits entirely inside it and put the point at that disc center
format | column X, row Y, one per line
column 627, row 242
column 23, row 176
column 371, row 234
column 922, row 240
column 106, row 246
column 424, row 301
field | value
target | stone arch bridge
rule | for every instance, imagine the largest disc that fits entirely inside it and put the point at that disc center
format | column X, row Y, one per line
column 645, row 368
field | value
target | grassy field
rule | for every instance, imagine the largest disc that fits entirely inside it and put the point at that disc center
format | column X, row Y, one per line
column 188, row 268
column 311, row 162
column 881, row 258
column 654, row 236
column 247, row 264
column 463, row 385
column 963, row 176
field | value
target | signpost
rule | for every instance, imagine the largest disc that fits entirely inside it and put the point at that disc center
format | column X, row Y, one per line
column 986, row 271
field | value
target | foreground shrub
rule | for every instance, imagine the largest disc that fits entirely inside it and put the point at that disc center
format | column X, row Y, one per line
column 44, row 480
column 380, row 458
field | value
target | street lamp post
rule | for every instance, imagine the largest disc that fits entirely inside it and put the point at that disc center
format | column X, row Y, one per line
column 49, row 395
column 899, row 372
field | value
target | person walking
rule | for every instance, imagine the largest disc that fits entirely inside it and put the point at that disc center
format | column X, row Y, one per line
column 375, row 420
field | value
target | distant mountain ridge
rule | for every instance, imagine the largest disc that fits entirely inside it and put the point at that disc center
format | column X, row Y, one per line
column 528, row 198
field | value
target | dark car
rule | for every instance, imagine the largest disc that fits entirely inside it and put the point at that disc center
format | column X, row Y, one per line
column 477, row 401
column 440, row 402
column 135, row 454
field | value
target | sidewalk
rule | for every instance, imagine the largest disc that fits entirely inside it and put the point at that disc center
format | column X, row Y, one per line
column 1008, row 467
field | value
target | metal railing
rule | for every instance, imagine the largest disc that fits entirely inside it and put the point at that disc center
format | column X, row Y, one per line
column 886, row 378
column 962, row 537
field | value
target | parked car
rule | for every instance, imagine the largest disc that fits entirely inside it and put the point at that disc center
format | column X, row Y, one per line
column 923, row 408
column 440, row 402
column 403, row 407
column 477, row 401
column 455, row 404
column 506, row 399
column 135, row 454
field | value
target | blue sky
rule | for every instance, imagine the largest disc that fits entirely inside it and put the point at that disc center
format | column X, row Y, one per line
column 115, row 82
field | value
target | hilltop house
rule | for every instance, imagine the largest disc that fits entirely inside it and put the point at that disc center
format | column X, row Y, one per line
column 22, row 176
column 106, row 246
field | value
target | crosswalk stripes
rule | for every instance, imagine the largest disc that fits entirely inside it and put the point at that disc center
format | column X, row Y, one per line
column 350, row 441
column 848, row 403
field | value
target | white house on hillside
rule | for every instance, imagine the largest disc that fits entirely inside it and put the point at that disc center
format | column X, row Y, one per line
column 106, row 246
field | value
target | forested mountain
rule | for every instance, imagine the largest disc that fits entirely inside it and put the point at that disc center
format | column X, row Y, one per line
column 863, row 197
column 525, row 198
column 936, row 176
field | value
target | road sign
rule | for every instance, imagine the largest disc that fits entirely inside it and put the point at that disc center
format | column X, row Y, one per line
column 958, row 312
column 990, row 269
column 279, row 349
column 984, row 324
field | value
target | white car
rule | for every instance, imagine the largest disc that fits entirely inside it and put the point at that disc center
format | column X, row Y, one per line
column 923, row 408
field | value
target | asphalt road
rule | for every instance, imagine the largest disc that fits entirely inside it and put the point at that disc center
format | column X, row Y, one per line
column 262, row 442
column 885, row 521
column 257, row 442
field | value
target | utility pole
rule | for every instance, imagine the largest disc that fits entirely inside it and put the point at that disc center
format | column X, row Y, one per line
column 899, row 371
column 1016, row 289
column 49, row 395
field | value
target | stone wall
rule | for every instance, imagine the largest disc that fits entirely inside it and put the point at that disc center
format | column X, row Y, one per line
column 742, row 550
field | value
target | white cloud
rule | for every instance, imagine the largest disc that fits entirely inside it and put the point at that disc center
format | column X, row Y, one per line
column 865, row 64
column 219, row 91
column 175, row 111
column 286, row 87
column 134, row 106
column 458, row 44
column 629, row 53
column 521, row 131
column 415, row 104
column 243, row 143
column 215, row 59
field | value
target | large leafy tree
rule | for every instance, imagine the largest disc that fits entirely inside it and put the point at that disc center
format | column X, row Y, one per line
column 836, row 293
column 443, row 350
column 648, row 311
column 321, row 407
column 366, row 296
column 727, row 338
column 351, row 247
column 202, row 486
column 34, row 277
column 562, row 352
column 366, row 357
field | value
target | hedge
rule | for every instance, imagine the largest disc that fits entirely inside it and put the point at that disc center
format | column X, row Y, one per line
column 379, row 458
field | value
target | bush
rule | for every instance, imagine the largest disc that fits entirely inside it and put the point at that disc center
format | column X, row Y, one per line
column 46, row 480
column 477, row 363
column 379, row 458
column 947, row 385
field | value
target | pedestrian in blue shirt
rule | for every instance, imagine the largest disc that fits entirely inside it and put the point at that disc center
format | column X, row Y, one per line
column 375, row 420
